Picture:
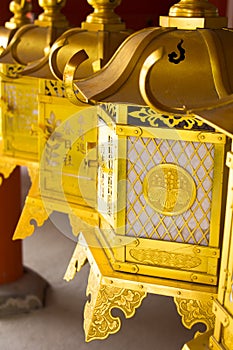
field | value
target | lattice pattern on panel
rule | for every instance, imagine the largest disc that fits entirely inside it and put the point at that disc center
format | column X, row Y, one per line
column 22, row 107
column 142, row 221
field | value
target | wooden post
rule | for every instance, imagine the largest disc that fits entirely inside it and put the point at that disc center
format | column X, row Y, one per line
column 11, row 265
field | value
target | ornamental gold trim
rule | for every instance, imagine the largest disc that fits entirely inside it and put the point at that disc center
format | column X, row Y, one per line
column 169, row 189
column 98, row 320
column 78, row 259
column 33, row 210
column 6, row 169
column 163, row 258
column 195, row 311
column 147, row 115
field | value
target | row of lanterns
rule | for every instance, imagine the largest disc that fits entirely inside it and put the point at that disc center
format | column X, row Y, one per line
column 141, row 174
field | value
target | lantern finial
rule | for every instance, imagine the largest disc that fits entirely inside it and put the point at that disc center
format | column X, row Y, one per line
column 103, row 17
column 52, row 15
column 20, row 8
column 193, row 8
column 193, row 14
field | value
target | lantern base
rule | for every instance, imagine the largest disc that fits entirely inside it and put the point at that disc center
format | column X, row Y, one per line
column 110, row 289
column 23, row 295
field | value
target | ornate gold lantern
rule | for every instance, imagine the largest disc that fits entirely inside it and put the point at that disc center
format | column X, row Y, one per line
column 161, row 176
column 19, row 94
column 100, row 35
column 220, row 116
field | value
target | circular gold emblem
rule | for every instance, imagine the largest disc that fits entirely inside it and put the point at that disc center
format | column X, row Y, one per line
column 169, row 189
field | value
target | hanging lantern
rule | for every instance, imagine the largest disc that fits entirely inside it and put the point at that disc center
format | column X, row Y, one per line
column 161, row 178
column 220, row 337
column 99, row 35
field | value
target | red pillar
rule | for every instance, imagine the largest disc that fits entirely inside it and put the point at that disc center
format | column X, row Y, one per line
column 11, row 266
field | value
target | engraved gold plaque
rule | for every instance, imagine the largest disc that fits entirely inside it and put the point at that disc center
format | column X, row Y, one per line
column 169, row 189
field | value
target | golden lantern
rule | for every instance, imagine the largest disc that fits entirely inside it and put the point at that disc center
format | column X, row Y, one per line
column 219, row 116
column 99, row 35
column 161, row 178
column 19, row 107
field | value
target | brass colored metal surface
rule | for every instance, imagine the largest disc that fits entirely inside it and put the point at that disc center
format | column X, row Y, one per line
column 142, row 232
column 19, row 114
column 52, row 15
column 165, row 56
column 98, row 320
column 100, row 35
column 218, row 116
column 192, row 309
column 20, row 8
column 199, row 343
column 158, row 229
column 193, row 14
column 103, row 17
column 193, row 8
column 110, row 289
column 193, row 23
column 169, row 189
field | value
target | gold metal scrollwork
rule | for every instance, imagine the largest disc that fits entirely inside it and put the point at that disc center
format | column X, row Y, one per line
column 195, row 311
column 33, row 210
column 153, row 118
column 98, row 320
column 163, row 258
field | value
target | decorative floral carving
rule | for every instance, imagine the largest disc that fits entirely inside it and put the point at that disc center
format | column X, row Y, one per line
column 98, row 320
column 163, row 258
column 147, row 115
column 33, row 210
column 195, row 311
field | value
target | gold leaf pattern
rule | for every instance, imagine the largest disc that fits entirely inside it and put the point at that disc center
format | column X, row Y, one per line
column 33, row 210
column 166, row 259
column 195, row 311
column 98, row 320
column 153, row 118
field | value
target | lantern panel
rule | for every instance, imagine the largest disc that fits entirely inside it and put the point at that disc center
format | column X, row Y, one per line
column 161, row 187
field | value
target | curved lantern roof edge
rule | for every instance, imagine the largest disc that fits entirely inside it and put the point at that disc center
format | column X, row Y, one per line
column 130, row 69
column 45, row 61
column 30, row 44
column 22, row 16
column 218, row 115
column 171, row 69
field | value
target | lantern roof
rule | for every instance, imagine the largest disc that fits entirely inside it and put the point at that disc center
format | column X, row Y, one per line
column 46, row 46
column 22, row 16
column 218, row 116
column 99, row 35
column 171, row 69
column 31, row 43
